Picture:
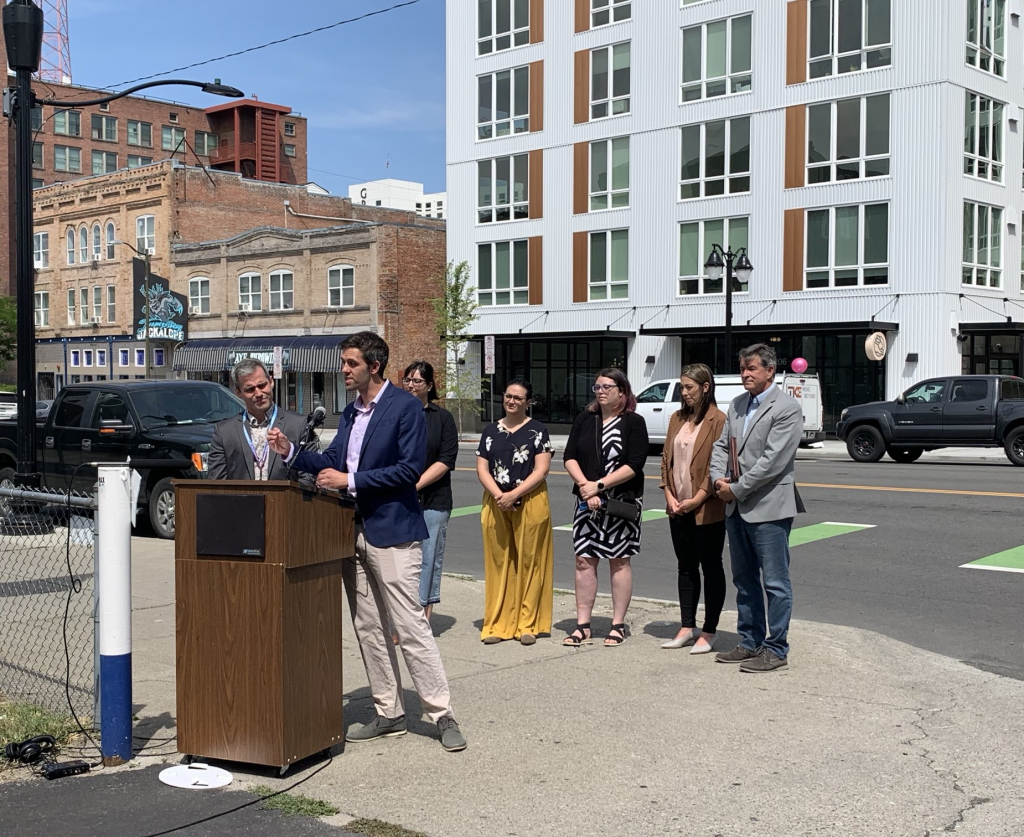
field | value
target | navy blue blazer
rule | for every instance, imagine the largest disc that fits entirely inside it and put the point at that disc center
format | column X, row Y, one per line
column 393, row 457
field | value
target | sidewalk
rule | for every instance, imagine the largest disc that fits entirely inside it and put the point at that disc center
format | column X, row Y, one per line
column 862, row 735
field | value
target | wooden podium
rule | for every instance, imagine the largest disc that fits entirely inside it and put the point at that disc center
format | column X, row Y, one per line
column 258, row 619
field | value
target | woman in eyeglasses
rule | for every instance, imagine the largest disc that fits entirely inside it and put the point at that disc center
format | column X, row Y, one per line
column 512, row 465
column 605, row 457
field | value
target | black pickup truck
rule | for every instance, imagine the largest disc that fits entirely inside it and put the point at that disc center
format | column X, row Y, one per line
column 110, row 421
column 983, row 411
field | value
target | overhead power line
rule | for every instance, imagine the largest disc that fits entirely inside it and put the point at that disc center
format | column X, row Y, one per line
column 270, row 43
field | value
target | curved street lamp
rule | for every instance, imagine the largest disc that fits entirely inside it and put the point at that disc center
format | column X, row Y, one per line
column 23, row 37
column 734, row 265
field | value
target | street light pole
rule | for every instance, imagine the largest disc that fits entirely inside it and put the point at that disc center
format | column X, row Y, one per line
column 146, row 280
column 734, row 264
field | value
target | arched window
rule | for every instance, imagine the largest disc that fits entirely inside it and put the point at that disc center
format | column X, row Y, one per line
column 71, row 246
column 97, row 242
column 83, row 245
column 341, row 286
column 111, row 238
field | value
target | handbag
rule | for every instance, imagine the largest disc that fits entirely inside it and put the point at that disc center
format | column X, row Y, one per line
column 621, row 509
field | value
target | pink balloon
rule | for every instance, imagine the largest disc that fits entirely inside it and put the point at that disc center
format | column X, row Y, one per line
column 799, row 365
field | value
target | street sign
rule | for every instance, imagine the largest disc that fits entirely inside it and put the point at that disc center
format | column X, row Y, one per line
column 278, row 361
column 876, row 346
column 489, row 354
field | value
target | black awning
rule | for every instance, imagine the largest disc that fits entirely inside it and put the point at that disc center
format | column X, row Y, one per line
column 992, row 328
column 784, row 328
column 559, row 335
column 321, row 353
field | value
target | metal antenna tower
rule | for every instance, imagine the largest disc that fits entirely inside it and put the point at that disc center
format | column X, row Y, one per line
column 55, row 64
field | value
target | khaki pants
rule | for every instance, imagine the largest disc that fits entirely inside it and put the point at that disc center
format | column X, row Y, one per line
column 382, row 585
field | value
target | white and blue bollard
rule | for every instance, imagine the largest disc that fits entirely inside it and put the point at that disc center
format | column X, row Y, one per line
column 114, row 588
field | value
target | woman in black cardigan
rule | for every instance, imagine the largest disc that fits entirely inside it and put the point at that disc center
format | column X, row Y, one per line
column 605, row 457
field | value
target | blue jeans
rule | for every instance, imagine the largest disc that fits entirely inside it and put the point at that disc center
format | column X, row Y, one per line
column 761, row 550
column 433, row 556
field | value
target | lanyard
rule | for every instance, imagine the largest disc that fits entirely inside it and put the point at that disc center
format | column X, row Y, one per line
column 260, row 459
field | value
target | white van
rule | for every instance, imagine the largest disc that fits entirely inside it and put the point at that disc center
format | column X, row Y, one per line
column 660, row 399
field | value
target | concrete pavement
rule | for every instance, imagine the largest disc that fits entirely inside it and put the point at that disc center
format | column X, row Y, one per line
column 862, row 735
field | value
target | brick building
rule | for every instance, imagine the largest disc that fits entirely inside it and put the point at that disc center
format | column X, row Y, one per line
column 197, row 221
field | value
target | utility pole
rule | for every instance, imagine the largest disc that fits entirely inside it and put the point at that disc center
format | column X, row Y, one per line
column 146, row 280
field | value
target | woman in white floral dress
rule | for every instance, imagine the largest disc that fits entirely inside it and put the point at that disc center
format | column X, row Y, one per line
column 513, row 460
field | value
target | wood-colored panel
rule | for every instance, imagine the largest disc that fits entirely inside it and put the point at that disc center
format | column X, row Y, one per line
column 582, row 16
column 536, row 21
column 796, row 42
column 537, row 183
column 579, row 267
column 536, row 96
column 796, row 139
column 581, row 178
column 581, row 87
column 793, row 251
column 536, row 269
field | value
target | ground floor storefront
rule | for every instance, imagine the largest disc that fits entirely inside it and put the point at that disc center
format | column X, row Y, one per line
column 74, row 360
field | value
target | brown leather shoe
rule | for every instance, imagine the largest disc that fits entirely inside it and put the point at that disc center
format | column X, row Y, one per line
column 766, row 661
column 527, row 639
column 739, row 654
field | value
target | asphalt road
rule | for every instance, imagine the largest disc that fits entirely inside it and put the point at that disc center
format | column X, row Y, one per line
column 902, row 578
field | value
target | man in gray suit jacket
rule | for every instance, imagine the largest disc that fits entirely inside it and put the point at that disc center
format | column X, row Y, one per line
column 752, row 470
column 239, row 449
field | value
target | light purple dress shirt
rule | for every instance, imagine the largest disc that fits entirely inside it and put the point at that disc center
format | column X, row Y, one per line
column 355, row 439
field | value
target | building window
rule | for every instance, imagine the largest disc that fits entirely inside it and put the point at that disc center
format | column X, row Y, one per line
column 66, row 158
column 847, row 246
column 503, row 103
column 140, row 357
column 199, row 296
column 158, row 357
column 848, row 139
column 696, row 239
column 603, row 12
column 42, row 306
column 609, row 99
column 83, row 305
column 104, row 128
column 37, row 155
column 983, row 137
column 173, row 117
column 289, row 150
column 37, row 119
column 281, row 282
column 97, row 242
column 87, row 357
column 503, row 273
column 250, row 297
column 716, row 158
column 72, row 295
column 609, row 174
column 101, row 359
column 37, row 183
column 205, row 143
column 140, row 133
column 849, row 35
column 1022, row 259
column 71, row 246
column 135, row 161
column 609, row 265
column 502, row 24
column 716, row 59
column 289, row 129
column 503, row 189
column 97, row 303
column 111, row 238
column 41, row 250
column 83, row 245
column 986, row 35
column 124, row 357
column 103, row 162
column 111, row 304
column 983, row 245
column 76, row 357
column 172, row 139
column 67, row 122
column 145, row 234
column 341, row 281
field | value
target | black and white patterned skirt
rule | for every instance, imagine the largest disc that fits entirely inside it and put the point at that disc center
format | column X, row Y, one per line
column 604, row 536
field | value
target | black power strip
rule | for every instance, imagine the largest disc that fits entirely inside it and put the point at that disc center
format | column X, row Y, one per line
column 64, row 768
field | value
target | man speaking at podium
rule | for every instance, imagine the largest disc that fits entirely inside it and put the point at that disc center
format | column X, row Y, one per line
column 377, row 457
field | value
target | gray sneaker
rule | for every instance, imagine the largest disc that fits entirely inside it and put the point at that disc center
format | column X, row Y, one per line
column 379, row 727
column 766, row 661
column 739, row 654
column 451, row 739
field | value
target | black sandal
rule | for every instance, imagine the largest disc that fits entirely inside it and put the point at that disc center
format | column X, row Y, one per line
column 573, row 641
column 611, row 640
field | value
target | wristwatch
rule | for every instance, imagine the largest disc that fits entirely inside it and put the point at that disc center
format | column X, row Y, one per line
column 600, row 485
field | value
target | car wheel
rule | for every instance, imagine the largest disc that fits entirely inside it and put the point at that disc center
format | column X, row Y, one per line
column 1014, row 446
column 905, row 455
column 865, row 444
column 161, row 508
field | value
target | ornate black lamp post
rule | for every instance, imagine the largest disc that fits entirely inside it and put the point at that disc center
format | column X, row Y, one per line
column 735, row 265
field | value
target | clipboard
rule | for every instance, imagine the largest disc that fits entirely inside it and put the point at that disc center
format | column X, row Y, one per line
column 734, row 460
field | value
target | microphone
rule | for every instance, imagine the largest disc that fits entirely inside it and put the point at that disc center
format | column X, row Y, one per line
column 313, row 420
column 317, row 416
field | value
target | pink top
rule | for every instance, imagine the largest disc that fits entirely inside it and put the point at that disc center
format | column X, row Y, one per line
column 364, row 412
column 681, row 456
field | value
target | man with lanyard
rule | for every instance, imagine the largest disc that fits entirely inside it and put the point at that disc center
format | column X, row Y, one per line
column 239, row 450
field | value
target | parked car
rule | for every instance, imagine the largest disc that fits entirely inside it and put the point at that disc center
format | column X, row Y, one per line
column 660, row 399
column 984, row 411
column 8, row 405
column 43, row 408
column 110, row 421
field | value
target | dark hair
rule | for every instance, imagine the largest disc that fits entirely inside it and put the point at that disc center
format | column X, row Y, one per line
column 622, row 382
column 762, row 351
column 372, row 347
column 243, row 369
column 426, row 371
column 701, row 374
column 520, row 381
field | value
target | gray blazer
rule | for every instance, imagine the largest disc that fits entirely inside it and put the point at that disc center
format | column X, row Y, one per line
column 231, row 456
column 766, row 488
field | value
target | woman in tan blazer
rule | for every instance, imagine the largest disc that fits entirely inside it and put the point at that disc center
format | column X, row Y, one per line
column 696, row 515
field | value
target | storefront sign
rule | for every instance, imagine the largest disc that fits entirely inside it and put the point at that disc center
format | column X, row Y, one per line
column 265, row 356
column 876, row 346
column 167, row 317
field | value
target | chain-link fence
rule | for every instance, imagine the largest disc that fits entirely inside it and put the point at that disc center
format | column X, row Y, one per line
column 46, row 599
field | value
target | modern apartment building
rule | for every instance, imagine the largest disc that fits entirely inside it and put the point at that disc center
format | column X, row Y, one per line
column 866, row 153
column 399, row 194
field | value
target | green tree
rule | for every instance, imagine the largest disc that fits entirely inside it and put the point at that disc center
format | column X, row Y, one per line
column 454, row 313
column 8, row 330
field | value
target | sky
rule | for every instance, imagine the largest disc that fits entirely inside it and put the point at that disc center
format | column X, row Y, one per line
column 371, row 91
